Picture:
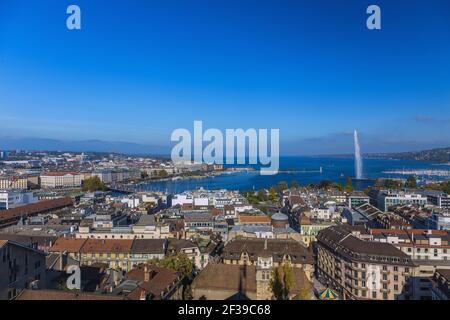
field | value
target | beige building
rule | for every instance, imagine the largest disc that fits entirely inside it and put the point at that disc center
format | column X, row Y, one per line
column 362, row 269
column 13, row 183
column 239, row 282
column 61, row 180
column 249, row 251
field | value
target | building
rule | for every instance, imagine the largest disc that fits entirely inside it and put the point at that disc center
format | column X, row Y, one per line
column 198, row 222
column 440, row 221
column 115, row 253
column 200, row 256
column 15, row 198
column 437, row 198
column 52, row 295
column 274, row 252
column 357, row 198
column 12, row 216
column 13, row 183
column 441, row 285
column 105, row 175
column 254, row 220
column 149, row 282
column 387, row 199
column 241, row 282
column 143, row 250
column 361, row 269
column 21, row 267
column 429, row 250
column 61, row 180
column 363, row 214
column 309, row 229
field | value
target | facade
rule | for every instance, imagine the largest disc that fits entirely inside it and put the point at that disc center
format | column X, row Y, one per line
column 13, row 183
column 12, row 216
column 242, row 282
column 149, row 282
column 61, row 180
column 20, row 268
column 15, row 198
column 361, row 269
column 437, row 198
column 387, row 199
column 273, row 252
column 441, row 285
column 440, row 221
column 356, row 199
column 310, row 229
column 143, row 250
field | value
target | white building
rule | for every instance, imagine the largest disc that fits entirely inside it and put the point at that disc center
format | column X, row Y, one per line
column 388, row 199
column 14, row 198
column 61, row 180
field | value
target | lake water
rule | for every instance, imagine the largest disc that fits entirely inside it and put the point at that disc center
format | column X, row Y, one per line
column 334, row 169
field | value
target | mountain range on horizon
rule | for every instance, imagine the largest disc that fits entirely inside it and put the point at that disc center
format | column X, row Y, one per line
column 130, row 148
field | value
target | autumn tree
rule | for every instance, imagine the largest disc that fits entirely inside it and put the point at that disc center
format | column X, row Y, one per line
column 273, row 194
column 348, row 185
column 93, row 184
column 304, row 294
column 282, row 282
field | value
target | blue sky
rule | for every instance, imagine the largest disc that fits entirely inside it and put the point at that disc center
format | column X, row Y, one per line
column 139, row 69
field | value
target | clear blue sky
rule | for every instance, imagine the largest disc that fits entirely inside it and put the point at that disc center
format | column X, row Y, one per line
column 139, row 69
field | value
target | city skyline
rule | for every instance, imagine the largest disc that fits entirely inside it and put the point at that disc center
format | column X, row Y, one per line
column 135, row 72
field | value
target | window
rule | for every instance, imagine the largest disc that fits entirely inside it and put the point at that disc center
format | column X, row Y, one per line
column 374, row 294
column 395, row 269
column 385, row 296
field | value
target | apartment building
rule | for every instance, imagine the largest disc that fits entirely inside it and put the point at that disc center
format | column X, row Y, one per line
column 361, row 269
column 13, row 183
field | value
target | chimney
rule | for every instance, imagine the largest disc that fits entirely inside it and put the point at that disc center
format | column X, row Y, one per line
column 265, row 244
column 143, row 295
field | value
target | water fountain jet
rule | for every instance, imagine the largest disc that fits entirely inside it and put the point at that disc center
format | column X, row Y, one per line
column 358, row 159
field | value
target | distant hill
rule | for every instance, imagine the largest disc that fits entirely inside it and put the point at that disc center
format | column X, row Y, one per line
column 42, row 144
column 441, row 155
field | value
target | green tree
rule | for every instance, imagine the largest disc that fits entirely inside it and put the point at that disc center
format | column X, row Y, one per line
column 411, row 182
column 295, row 184
column 144, row 175
column 93, row 184
column 282, row 282
column 183, row 265
column 262, row 196
column 348, row 184
column 446, row 187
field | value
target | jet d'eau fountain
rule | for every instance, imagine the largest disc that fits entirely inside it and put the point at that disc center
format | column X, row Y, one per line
column 358, row 160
